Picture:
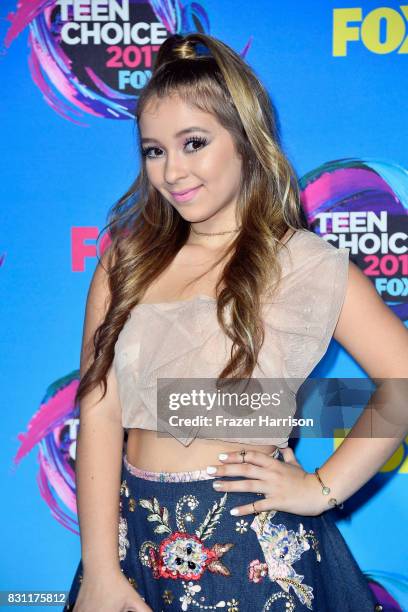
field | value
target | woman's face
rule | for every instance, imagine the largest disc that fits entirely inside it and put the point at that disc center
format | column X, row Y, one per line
column 202, row 158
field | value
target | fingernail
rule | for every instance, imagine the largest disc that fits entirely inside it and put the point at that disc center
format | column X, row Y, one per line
column 216, row 485
column 222, row 456
column 234, row 511
column 211, row 469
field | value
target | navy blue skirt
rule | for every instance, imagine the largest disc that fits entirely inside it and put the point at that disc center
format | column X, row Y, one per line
column 182, row 550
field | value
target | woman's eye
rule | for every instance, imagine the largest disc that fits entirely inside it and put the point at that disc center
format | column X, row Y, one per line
column 146, row 151
column 194, row 141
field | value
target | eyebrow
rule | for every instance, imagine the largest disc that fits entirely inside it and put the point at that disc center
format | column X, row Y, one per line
column 180, row 133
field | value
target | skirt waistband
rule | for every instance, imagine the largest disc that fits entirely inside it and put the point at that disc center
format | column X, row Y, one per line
column 186, row 476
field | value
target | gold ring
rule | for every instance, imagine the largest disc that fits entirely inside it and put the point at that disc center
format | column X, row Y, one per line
column 253, row 506
column 243, row 453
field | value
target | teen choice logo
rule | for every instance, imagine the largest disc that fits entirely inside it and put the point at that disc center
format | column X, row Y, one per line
column 98, row 54
column 362, row 205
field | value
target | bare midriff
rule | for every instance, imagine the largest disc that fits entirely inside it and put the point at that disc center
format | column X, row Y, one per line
column 146, row 450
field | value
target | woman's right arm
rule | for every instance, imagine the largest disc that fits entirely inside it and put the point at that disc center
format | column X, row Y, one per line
column 99, row 449
column 98, row 471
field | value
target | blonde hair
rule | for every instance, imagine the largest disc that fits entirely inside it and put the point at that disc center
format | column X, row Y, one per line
column 147, row 231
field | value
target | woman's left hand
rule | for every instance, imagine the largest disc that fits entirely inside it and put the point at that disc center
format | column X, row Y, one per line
column 286, row 486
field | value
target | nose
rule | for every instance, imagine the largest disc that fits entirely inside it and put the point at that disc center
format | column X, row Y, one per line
column 175, row 168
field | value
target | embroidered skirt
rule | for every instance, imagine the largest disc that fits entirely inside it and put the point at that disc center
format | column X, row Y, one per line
column 182, row 550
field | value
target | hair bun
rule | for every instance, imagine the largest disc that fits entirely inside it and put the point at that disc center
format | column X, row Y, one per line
column 185, row 50
column 177, row 47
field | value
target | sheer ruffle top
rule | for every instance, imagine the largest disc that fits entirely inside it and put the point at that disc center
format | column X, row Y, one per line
column 184, row 340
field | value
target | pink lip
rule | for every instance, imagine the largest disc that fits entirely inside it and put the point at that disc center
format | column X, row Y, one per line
column 183, row 196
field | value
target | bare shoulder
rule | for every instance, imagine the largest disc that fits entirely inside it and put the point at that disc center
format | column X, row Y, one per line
column 97, row 304
column 99, row 286
column 311, row 244
column 370, row 331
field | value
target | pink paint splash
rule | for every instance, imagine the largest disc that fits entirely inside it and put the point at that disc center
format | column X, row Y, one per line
column 45, row 419
column 26, row 12
column 53, row 429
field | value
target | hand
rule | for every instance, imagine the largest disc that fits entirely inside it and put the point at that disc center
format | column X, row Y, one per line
column 286, row 486
column 108, row 592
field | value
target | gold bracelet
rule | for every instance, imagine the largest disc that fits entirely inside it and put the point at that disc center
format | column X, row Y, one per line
column 326, row 490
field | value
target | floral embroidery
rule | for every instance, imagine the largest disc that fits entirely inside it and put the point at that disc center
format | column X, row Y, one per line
column 289, row 606
column 281, row 548
column 211, row 519
column 144, row 552
column 188, row 598
column 123, row 541
column 160, row 515
column 192, row 503
column 124, row 489
column 183, row 554
column 315, row 542
column 257, row 570
column 233, row 605
column 167, row 596
column 241, row 526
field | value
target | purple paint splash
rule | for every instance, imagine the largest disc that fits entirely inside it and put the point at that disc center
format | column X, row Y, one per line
column 383, row 584
column 53, row 429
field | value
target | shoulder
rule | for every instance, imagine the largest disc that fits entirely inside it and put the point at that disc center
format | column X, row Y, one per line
column 306, row 242
column 306, row 309
column 99, row 286
column 99, row 296
column 311, row 256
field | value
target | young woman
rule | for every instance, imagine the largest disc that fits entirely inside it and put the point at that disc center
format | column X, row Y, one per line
column 211, row 274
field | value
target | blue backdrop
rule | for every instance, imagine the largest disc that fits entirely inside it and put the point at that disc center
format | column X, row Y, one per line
column 337, row 76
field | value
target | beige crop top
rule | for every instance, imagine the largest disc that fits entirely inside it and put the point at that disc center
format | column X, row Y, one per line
column 184, row 340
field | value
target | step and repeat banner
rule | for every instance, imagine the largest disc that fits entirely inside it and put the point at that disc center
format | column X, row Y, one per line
column 71, row 72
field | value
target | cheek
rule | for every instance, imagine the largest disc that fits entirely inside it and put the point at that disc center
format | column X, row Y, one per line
column 221, row 166
column 225, row 175
column 153, row 174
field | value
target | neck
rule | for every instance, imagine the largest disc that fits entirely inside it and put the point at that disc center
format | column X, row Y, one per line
column 213, row 242
column 214, row 234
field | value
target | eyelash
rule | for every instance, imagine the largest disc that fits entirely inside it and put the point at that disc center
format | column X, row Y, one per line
column 202, row 141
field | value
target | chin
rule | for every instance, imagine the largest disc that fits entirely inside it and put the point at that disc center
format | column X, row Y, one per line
column 194, row 218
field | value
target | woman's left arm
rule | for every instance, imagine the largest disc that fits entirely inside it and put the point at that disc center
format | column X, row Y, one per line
column 376, row 338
